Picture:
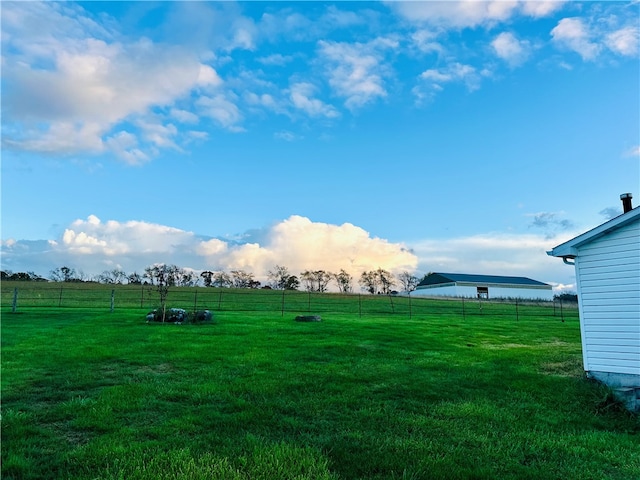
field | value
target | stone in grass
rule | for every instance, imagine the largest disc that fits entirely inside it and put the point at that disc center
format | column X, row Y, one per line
column 172, row 315
column 308, row 318
column 202, row 316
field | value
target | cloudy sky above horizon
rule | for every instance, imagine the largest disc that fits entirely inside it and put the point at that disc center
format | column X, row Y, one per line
column 423, row 136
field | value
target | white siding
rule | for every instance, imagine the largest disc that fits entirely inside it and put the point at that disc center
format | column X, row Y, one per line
column 447, row 291
column 470, row 291
column 608, row 274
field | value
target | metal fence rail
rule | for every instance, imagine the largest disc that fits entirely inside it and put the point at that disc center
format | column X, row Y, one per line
column 22, row 296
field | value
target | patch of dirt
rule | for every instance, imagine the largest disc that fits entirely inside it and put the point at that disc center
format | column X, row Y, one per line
column 571, row 367
column 70, row 435
column 160, row 369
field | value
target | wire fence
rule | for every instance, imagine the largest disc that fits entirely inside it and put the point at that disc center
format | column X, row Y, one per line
column 17, row 297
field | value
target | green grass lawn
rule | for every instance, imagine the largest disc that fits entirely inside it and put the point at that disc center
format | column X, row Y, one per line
column 96, row 395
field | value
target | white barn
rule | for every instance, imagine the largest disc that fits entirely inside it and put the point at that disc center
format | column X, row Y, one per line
column 607, row 265
column 482, row 286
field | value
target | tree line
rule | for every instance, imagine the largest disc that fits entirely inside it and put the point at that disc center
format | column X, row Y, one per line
column 379, row 281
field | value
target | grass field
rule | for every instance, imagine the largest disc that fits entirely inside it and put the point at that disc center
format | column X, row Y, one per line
column 90, row 394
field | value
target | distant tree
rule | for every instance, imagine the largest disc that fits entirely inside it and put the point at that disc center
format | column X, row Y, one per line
column 369, row 282
column 386, row 279
column 292, row 283
column 344, row 281
column 115, row 276
column 316, row 280
column 242, row 279
column 221, row 279
column 566, row 297
column 134, row 279
column 186, row 278
column 207, row 278
column 408, row 281
column 8, row 275
column 65, row 274
column 281, row 279
column 377, row 281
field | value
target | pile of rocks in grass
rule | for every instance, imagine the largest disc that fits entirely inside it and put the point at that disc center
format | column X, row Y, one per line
column 178, row 316
column 308, row 318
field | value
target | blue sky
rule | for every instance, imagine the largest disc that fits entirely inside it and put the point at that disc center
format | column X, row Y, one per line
column 423, row 136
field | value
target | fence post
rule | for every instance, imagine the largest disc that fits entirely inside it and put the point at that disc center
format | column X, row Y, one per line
column 142, row 296
column 283, row 302
column 561, row 312
column 309, row 302
column 14, row 304
column 464, row 316
column 219, row 299
column 195, row 301
column 113, row 294
column 517, row 317
column 409, row 305
column 60, row 298
column 360, row 304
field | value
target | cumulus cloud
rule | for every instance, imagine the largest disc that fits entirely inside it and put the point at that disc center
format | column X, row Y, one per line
column 510, row 49
column 70, row 84
column 624, row 41
column 463, row 14
column 92, row 246
column 574, row 34
column 356, row 71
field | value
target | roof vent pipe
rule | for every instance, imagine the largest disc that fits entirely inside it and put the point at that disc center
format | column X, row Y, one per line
column 626, row 202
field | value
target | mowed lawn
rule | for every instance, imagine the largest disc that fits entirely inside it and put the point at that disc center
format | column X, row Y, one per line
column 99, row 395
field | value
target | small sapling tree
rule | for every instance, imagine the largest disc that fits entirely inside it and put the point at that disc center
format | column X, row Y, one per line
column 162, row 277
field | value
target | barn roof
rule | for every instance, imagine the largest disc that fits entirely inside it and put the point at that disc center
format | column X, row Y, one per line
column 569, row 248
column 442, row 278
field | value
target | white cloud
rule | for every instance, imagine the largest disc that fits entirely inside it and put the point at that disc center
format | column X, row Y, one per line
column 464, row 14
column 510, row 49
column 125, row 145
column 286, row 136
column 432, row 81
column 624, row 41
column 275, row 59
column 574, row 34
column 298, row 243
column 633, row 152
column 301, row 95
column 425, row 41
column 454, row 13
column 356, row 70
column 541, row 8
column 184, row 116
column 70, row 84
column 92, row 245
column 222, row 110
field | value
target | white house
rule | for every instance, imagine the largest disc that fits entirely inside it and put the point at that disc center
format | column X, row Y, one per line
column 607, row 265
column 482, row 286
